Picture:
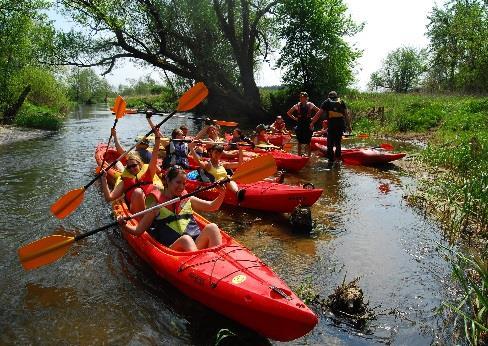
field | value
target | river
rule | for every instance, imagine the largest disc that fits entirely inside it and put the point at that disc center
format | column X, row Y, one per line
column 101, row 293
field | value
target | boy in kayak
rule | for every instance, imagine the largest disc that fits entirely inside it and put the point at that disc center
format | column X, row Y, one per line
column 136, row 181
column 174, row 225
column 218, row 169
column 237, row 137
column 279, row 126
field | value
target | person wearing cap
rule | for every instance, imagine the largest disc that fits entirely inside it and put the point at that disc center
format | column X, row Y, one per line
column 302, row 113
column 261, row 136
column 335, row 111
column 279, row 126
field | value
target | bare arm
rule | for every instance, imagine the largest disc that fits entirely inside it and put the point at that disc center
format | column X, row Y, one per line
column 153, row 164
column 117, row 192
column 202, row 132
column 143, row 224
column 191, row 146
column 316, row 117
column 290, row 113
column 120, row 149
column 203, row 205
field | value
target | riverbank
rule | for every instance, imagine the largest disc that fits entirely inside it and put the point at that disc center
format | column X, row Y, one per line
column 10, row 134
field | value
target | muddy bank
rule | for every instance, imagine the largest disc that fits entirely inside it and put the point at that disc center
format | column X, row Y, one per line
column 10, row 134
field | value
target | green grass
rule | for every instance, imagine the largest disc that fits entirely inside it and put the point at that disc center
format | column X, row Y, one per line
column 472, row 273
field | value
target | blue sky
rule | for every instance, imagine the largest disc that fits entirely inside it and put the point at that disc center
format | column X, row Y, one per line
column 389, row 24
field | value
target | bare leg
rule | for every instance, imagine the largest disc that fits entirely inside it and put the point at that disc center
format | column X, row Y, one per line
column 184, row 243
column 209, row 237
column 137, row 202
column 232, row 186
column 309, row 149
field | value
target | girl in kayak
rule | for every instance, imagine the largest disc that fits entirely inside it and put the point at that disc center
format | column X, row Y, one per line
column 217, row 169
column 261, row 136
column 136, row 181
column 174, row 225
column 323, row 131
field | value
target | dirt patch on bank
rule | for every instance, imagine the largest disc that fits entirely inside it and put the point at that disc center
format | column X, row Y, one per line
column 10, row 134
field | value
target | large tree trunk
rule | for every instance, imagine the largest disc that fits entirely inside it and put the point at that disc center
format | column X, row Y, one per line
column 228, row 103
column 12, row 110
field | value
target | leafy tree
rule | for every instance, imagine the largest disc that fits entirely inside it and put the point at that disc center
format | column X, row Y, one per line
column 458, row 34
column 218, row 42
column 85, row 86
column 402, row 70
column 315, row 56
column 25, row 38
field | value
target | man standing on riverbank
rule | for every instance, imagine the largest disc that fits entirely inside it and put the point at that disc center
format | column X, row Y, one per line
column 335, row 112
column 302, row 114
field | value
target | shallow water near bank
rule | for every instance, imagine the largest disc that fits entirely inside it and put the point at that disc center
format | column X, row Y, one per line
column 100, row 292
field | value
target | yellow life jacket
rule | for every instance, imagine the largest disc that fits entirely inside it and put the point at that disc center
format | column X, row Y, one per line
column 181, row 222
column 218, row 172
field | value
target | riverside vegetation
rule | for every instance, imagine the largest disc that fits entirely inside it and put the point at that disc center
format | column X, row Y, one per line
column 455, row 129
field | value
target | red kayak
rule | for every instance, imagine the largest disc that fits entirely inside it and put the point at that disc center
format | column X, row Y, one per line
column 279, row 139
column 317, row 140
column 263, row 195
column 229, row 279
column 365, row 156
column 284, row 160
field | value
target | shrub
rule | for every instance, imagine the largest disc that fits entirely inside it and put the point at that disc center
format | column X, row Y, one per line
column 38, row 117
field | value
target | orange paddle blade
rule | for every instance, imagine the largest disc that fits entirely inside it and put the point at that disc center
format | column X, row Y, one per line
column 226, row 123
column 119, row 107
column 192, row 97
column 44, row 251
column 362, row 135
column 254, row 170
column 66, row 204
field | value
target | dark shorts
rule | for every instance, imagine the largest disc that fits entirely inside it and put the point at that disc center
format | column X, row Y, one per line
column 304, row 134
column 166, row 237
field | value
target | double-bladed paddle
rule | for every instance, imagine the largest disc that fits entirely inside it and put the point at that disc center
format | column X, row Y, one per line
column 53, row 247
column 119, row 110
column 68, row 203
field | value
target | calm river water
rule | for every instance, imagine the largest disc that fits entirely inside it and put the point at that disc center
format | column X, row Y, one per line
column 101, row 293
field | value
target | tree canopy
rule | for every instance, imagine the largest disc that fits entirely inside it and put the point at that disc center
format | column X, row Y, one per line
column 458, row 34
column 315, row 56
column 402, row 70
column 218, row 42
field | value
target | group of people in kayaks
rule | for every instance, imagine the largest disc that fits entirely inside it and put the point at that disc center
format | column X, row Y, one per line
column 174, row 225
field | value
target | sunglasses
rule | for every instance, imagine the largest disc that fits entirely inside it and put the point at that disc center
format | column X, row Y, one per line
column 132, row 166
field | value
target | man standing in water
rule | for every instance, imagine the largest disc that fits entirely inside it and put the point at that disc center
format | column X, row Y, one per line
column 302, row 114
column 335, row 112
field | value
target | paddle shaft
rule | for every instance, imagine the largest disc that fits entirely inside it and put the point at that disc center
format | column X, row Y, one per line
column 128, row 150
column 157, row 206
column 108, row 143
